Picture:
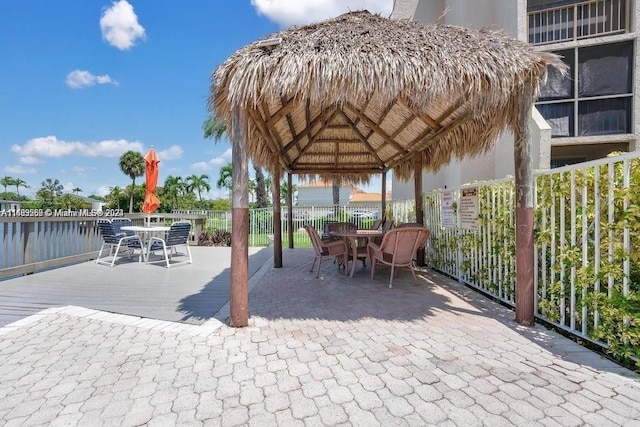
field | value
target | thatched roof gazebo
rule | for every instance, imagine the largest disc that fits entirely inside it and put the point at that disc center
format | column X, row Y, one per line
column 361, row 94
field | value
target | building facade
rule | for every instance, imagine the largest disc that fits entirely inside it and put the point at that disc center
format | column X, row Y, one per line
column 585, row 115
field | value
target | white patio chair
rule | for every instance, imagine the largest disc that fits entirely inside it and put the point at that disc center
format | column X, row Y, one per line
column 116, row 241
column 178, row 235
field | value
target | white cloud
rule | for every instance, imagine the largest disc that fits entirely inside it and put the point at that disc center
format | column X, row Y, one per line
column 296, row 12
column 119, row 25
column 78, row 79
column 103, row 191
column 211, row 164
column 52, row 147
column 29, row 160
column 172, row 153
column 227, row 154
column 201, row 166
column 19, row 169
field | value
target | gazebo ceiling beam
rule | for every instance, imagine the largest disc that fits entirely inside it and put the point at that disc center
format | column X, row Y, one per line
column 373, row 126
column 362, row 168
column 292, row 128
column 276, row 136
column 307, row 130
column 286, row 108
column 259, row 121
column 337, row 140
column 333, row 112
column 424, row 117
column 364, row 140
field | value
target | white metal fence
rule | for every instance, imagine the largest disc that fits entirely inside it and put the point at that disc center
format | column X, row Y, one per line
column 587, row 231
column 261, row 221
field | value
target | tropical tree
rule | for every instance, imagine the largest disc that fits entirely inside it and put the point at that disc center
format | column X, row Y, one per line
column 6, row 181
column 50, row 189
column 19, row 183
column 132, row 164
column 174, row 186
column 77, row 190
column 199, row 183
column 224, row 180
column 115, row 194
column 336, row 196
column 284, row 191
column 214, row 128
column 261, row 189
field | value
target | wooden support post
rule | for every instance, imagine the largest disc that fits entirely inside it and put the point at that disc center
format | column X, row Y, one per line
column 277, row 219
column 383, row 204
column 239, row 292
column 524, row 211
column 290, row 209
column 417, row 181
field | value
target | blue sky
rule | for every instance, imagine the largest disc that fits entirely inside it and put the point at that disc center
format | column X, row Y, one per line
column 84, row 81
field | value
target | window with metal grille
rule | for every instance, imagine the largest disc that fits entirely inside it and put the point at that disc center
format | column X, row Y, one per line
column 595, row 97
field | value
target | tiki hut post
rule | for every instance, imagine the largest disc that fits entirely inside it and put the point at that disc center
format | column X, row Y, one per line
column 277, row 218
column 239, row 293
column 524, row 211
column 383, row 203
column 417, row 184
column 290, row 208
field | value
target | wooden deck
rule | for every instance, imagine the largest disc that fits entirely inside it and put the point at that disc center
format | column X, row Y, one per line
column 189, row 293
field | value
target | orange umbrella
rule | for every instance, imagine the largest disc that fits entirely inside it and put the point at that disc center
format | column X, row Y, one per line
column 151, row 202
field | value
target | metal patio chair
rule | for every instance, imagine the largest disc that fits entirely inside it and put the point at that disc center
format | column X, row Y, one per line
column 178, row 235
column 118, row 223
column 398, row 249
column 116, row 241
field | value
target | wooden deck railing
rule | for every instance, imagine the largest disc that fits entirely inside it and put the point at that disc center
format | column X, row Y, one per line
column 35, row 241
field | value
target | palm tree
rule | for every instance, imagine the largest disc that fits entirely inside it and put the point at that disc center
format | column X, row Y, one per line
column 173, row 187
column 52, row 188
column 224, row 180
column 132, row 164
column 115, row 193
column 284, row 191
column 6, row 181
column 19, row 183
column 336, row 196
column 261, row 190
column 199, row 183
column 77, row 190
column 214, row 128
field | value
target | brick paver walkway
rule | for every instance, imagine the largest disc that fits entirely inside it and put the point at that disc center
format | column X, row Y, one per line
column 328, row 351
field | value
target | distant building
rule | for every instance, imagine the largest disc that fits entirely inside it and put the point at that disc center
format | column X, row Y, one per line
column 9, row 205
column 318, row 193
column 97, row 205
column 584, row 116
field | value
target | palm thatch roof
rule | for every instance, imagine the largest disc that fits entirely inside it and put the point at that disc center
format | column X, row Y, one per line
column 362, row 94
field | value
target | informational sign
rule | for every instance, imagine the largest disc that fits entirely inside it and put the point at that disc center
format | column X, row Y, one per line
column 469, row 209
column 448, row 216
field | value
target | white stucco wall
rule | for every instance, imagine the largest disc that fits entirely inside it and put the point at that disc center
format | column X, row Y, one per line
column 308, row 196
column 498, row 162
column 505, row 14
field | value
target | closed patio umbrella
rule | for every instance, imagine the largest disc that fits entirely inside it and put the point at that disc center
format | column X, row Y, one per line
column 151, row 202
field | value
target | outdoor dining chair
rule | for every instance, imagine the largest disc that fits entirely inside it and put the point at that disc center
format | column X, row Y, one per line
column 115, row 241
column 118, row 223
column 398, row 249
column 178, row 235
column 336, row 249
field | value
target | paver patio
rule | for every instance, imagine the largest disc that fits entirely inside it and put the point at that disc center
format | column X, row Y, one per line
column 328, row 351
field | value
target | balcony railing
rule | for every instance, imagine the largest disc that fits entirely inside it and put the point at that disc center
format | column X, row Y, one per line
column 578, row 21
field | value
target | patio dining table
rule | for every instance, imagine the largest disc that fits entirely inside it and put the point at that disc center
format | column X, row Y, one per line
column 146, row 232
column 351, row 237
